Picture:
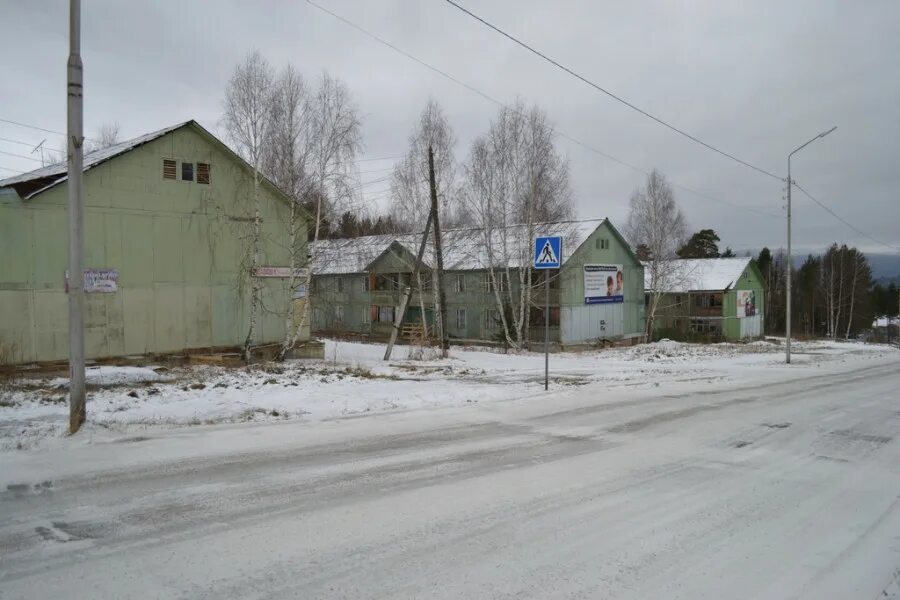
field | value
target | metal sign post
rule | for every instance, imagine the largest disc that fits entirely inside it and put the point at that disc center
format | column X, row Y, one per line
column 547, row 255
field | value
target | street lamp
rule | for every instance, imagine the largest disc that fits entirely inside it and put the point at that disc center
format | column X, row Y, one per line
column 787, row 268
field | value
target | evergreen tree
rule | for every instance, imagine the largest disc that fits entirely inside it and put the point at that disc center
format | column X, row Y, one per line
column 703, row 244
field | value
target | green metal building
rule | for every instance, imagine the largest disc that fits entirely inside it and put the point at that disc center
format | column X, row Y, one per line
column 710, row 298
column 358, row 284
column 168, row 219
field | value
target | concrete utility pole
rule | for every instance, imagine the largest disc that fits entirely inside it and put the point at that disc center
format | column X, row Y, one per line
column 788, row 267
column 439, row 257
column 75, row 186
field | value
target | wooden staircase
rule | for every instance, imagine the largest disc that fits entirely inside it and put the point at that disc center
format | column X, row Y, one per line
column 414, row 333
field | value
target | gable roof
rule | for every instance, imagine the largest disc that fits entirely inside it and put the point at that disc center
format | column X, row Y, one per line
column 463, row 248
column 30, row 184
column 701, row 274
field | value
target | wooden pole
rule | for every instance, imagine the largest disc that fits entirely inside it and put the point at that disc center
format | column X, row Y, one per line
column 75, row 283
column 398, row 318
column 439, row 257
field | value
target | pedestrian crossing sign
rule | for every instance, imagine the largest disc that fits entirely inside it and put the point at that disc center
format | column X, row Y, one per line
column 548, row 252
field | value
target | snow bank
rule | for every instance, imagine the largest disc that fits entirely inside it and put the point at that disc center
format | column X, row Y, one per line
column 353, row 379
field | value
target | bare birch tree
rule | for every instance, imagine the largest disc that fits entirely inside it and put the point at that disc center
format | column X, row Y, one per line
column 288, row 164
column 248, row 124
column 656, row 222
column 410, row 188
column 335, row 139
column 410, row 200
column 515, row 180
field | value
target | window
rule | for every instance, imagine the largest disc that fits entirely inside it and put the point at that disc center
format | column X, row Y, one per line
column 708, row 300
column 366, row 282
column 187, row 171
column 366, row 315
column 537, row 278
column 461, row 318
column 536, row 316
column 385, row 314
column 387, row 281
column 706, row 326
column 460, row 283
column 602, row 244
column 499, row 277
column 169, row 168
column 677, row 300
column 203, row 173
column 492, row 319
column 340, row 284
column 339, row 313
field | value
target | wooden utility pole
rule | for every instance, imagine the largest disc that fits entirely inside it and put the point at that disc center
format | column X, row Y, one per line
column 439, row 257
column 75, row 185
column 398, row 318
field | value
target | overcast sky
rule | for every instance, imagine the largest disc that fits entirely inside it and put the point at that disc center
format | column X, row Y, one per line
column 755, row 80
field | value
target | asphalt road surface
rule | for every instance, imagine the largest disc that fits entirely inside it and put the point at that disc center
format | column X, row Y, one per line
column 785, row 490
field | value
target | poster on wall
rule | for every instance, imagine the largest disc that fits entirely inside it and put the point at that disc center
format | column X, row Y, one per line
column 98, row 281
column 604, row 284
column 746, row 303
column 101, row 281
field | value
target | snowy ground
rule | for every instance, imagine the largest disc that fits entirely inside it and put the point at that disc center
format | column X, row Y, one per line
column 355, row 380
column 734, row 477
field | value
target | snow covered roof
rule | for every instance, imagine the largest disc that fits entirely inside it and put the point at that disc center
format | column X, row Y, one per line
column 41, row 179
column 463, row 248
column 700, row 274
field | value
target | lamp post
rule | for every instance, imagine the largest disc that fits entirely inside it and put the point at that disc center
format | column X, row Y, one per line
column 787, row 267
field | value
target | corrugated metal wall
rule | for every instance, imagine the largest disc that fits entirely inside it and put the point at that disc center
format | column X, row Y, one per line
column 179, row 248
column 591, row 322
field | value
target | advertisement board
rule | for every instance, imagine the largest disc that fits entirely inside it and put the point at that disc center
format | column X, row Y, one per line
column 746, row 303
column 604, row 284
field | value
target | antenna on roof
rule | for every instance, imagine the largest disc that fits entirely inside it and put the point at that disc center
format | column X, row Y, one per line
column 41, row 148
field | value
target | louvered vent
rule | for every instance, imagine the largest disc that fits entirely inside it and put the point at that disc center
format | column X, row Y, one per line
column 203, row 173
column 169, row 168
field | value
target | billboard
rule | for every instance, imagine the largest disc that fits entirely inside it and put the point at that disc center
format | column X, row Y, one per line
column 604, row 284
column 746, row 303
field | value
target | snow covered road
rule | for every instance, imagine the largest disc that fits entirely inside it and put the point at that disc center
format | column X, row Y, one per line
column 789, row 488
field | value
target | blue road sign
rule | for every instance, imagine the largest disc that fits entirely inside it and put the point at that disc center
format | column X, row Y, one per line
column 548, row 252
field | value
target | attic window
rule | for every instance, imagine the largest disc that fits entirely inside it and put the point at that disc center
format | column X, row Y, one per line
column 203, row 173
column 187, row 171
column 602, row 244
column 169, row 168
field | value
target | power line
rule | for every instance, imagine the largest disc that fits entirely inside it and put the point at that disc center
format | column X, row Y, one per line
column 373, row 181
column 489, row 98
column 32, row 127
column 20, row 142
column 40, row 128
column 844, row 221
column 21, row 156
column 612, row 95
column 368, row 159
column 371, row 170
